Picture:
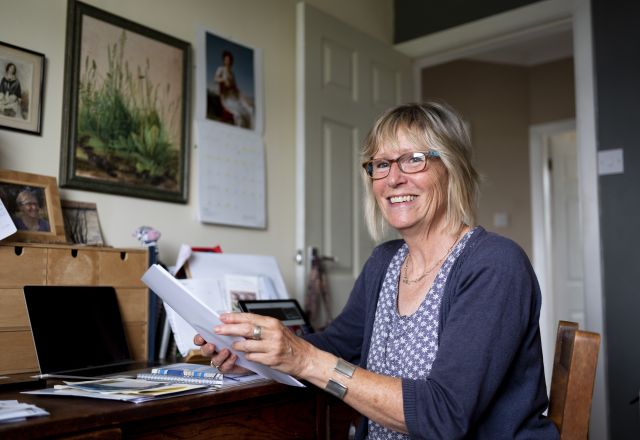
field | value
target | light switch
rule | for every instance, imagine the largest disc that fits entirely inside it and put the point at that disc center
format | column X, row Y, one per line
column 500, row 220
column 610, row 162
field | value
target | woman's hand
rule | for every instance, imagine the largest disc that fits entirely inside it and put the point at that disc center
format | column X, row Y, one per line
column 224, row 361
column 267, row 342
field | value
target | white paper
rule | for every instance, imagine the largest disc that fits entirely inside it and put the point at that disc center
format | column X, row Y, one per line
column 210, row 292
column 203, row 319
column 231, row 176
column 265, row 267
column 7, row 227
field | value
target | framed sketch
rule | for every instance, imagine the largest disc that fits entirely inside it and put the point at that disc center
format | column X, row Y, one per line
column 33, row 202
column 81, row 223
column 229, row 82
column 21, row 89
column 126, row 108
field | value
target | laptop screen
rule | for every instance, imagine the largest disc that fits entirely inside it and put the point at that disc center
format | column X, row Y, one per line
column 76, row 327
column 286, row 310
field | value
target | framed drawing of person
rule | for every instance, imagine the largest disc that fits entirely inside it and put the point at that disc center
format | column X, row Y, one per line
column 21, row 88
column 33, row 202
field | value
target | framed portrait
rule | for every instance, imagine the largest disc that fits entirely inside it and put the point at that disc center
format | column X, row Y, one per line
column 126, row 108
column 21, row 89
column 81, row 223
column 33, row 202
column 229, row 78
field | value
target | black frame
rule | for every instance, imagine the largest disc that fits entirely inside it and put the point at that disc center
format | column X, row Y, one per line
column 69, row 177
column 37, row 84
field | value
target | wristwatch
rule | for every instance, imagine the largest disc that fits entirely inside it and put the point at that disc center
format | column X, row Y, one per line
column 336, row 388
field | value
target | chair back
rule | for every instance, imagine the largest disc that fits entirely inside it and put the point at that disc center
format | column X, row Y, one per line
column 572, row 380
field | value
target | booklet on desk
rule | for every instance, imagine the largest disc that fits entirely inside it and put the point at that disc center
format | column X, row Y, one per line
column 185, row 373
column 203, row 319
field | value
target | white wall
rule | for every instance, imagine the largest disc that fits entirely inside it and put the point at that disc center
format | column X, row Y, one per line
column 270, row 25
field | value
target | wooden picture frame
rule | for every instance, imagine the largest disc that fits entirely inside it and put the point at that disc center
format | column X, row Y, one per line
column 33, row 202
column 126, row 108
column 81, row 223
column 21, row 89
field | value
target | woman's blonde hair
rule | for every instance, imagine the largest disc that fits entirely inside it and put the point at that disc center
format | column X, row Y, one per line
column 439, row 128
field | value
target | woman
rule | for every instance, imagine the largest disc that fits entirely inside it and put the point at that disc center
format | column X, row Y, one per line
column 230, row 95
column 10, row 92
column 28, row 216
column 442, row 324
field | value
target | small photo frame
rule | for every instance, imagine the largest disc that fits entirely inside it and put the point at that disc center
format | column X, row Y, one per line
column 33, row 202
column 21, row 89
column 81, row 223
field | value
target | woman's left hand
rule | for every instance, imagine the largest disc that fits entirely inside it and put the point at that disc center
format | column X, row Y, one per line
column 267, row 342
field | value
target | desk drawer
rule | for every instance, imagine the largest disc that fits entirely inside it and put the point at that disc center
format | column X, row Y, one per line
column 137, row 339
column 72, row 267
column 13, row 310
column 20, row 266
column 122, row 268
column 18, row 352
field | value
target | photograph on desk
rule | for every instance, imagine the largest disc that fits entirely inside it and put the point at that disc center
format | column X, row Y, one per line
column 33, row 202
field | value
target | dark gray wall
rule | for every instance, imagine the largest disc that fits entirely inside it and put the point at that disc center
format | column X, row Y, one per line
column 616, row 38
column 416, row 18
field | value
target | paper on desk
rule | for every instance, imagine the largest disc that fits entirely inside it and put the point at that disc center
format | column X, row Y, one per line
column 203, row 319
column 7, row 227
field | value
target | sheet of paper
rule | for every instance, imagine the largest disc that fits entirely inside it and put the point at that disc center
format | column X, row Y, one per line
column 209, row 291
column 7, row 227
column 214, row 265
column 203, row 319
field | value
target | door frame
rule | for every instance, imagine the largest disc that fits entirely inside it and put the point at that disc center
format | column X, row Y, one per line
column 518, row 25
column 541, row 227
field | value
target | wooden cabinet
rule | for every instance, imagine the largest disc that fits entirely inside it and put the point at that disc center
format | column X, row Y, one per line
column 48, row 264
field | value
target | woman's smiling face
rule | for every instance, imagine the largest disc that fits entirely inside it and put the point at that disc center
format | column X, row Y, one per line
column 410, row 202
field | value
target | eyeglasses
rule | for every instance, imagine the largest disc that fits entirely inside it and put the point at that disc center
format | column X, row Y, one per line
column 28, row 204
column 408, row 163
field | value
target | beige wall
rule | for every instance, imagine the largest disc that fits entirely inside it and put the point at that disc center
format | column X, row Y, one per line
column 500, row 102
column 270, row 25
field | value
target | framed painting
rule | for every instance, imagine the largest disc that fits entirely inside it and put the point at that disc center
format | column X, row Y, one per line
column 126, row 108
column 21, row 89
column 33, row 202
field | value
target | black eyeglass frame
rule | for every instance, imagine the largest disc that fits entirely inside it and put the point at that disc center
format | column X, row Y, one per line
column 429, row 154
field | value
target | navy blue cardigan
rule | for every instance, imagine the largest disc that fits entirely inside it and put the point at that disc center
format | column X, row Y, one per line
column 487, row 381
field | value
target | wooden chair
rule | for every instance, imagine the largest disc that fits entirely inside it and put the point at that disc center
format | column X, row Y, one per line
column 573, row 377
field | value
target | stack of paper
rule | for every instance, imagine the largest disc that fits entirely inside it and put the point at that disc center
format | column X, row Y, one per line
column 14, row 411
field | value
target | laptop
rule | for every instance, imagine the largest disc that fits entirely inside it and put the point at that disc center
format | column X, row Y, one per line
column 286, row 310
column 78, row 331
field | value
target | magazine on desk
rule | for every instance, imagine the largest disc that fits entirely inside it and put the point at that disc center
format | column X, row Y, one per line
column 126, row 389
column 203, row 319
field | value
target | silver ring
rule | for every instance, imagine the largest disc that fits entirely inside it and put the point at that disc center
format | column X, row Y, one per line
column 257, row 332
column 214, row 365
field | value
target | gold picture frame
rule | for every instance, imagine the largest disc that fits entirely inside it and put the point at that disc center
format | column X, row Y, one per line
column 33, row 202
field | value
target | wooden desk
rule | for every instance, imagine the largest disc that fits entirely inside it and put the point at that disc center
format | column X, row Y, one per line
column 254, row 411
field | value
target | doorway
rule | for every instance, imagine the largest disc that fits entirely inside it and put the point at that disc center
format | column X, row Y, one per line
column 477, row 37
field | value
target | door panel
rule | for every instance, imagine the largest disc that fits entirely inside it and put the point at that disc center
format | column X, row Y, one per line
column 345, row 80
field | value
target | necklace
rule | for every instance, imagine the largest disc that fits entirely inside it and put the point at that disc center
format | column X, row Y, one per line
column 405, row 275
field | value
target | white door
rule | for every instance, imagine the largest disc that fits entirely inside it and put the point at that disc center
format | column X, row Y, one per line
column 345, row 80
column 566, row 246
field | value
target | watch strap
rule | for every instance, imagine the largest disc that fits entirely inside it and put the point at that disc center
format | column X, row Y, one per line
column 336, row 388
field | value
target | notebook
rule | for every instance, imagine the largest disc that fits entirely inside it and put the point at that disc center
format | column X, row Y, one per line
column 78, row 331
column 286, row 310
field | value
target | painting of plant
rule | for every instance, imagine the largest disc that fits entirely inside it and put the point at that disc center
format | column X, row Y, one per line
column 127, row 128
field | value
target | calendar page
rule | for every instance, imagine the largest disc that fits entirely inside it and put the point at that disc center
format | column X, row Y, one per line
column 231, row 176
